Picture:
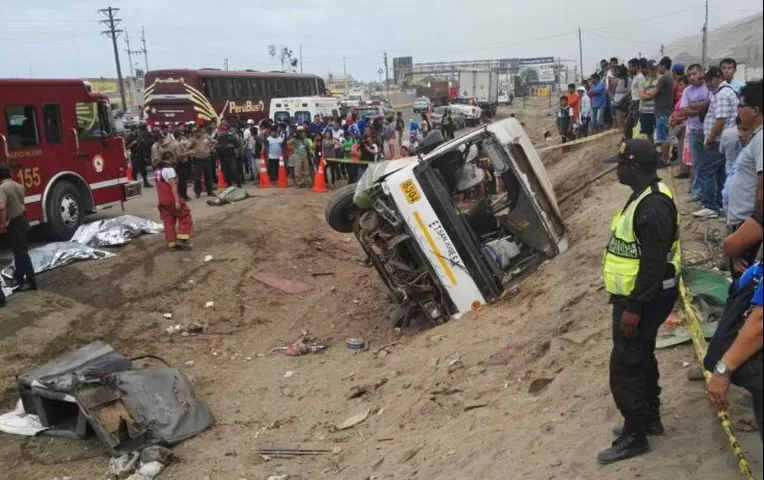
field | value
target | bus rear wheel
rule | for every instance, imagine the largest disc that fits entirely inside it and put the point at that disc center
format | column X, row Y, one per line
column 65, row 211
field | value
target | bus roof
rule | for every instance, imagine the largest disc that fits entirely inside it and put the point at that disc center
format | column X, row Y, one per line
column 229, row 73
column 47, row 82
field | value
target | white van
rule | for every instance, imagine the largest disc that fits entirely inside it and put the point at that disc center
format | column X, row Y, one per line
column 303, row 109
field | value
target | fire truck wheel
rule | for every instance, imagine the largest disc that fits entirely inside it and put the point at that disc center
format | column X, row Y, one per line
column 64, row 209
column 339, row 212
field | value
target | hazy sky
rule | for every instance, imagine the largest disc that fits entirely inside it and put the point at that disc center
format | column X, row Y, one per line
column 48, row 38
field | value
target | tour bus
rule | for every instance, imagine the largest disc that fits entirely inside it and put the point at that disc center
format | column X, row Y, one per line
column 177, row 97
column 303, row 109
column 58, row 138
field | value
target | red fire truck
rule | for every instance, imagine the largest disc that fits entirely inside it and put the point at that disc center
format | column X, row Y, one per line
column 59, row 140
column 180, row 96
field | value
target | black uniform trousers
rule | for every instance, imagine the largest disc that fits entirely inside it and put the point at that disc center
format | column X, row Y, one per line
column 230, row 168
column 17, row 241
column 183, row 170
column 634, row 371
column 139, row 167
column 201, row 168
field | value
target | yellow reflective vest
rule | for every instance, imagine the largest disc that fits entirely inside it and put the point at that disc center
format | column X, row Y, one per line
column 622, row 254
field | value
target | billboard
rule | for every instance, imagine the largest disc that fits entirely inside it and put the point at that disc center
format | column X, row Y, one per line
column 536, row 71
column 401, row 67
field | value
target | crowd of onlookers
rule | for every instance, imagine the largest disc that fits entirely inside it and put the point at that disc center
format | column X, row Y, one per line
column 238, row 146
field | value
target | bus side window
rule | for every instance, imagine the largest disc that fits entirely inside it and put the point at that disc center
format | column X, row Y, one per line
column 213, row 88
column 21, row 124
column 255, row 88
column 310, row 88
column 226, row 88
column 241, row 89
column 88, row 124
column 291, row 88
column 321, row 87
column 278, row 87
column 52, row 118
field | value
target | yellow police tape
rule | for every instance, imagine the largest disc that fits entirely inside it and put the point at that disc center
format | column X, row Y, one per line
column 579, row 141
column 701, row 347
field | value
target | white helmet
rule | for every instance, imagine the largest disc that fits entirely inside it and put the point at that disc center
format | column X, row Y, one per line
column 250, row 122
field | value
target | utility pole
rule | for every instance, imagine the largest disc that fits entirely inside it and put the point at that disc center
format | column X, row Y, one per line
column 112, row 32
column 661, row 50
column 129, row 53
column 581, row 54
column 301, row 58
column 225, row 64
column 345, row 69
column 145, row 53
column 387, row 78
column 705, row 39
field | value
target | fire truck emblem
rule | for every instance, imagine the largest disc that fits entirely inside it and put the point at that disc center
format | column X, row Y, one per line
column 98, row 163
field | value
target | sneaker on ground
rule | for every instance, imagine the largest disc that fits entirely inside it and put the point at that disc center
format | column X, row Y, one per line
column 705, row 213
column 624, row 447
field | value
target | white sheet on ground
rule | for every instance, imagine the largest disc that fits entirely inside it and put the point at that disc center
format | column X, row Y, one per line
column 18, row 422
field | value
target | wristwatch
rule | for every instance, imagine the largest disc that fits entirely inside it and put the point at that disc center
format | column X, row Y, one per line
column 722, row 369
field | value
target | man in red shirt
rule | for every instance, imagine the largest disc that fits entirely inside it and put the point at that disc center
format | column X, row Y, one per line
column 574, row 100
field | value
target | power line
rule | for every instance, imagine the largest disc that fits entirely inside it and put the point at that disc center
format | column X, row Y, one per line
column 112, row 32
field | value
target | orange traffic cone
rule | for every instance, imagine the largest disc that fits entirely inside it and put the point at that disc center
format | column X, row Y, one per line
column 319, row 184
column 265, row 182
column 221, row 178
column 130, row 171
column 283, row 183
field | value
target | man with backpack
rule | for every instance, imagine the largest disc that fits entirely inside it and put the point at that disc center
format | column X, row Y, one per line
column 722, row 112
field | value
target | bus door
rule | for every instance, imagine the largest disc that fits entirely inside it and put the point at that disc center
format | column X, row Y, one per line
column 25, row 149
column 100, row 155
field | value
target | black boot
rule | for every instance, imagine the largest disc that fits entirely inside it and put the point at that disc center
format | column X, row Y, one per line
column 624, row 447
column 654, row 428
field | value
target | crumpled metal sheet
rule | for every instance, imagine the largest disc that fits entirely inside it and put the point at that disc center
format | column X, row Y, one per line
column 54, row 255
column 115, row 231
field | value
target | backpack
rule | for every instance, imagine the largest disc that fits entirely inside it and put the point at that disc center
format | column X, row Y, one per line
column 704, row 112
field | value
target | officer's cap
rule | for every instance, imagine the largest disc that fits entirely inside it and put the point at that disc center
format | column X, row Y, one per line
column 639, row 151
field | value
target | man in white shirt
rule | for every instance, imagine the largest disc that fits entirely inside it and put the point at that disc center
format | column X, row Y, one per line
column 584, row 113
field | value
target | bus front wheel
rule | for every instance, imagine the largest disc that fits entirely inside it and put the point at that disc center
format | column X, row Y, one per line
column 65, row 211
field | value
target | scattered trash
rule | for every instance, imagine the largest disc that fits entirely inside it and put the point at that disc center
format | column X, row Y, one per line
column 123, row 466
column 150, row 470
column 354, row 420
column 18, row 422
column 679, row 335
column 474, row 405
column 685, row 364
column 208, row 258
column 289, row 374
column 292, row 452
column 190, row 363
column 454, row 364
column 168, row 315
column 126, row 409
column 286, row 285
column 209, row 304
column 538, row 385
column 185, row 330
column 157, row 453
column 278, row 477
column 304, row 345
column 355, row 343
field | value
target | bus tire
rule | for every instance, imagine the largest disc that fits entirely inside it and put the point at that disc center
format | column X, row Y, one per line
column 65, row 211
column 339, row 212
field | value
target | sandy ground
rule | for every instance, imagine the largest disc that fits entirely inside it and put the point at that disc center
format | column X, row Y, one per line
column 516, row 391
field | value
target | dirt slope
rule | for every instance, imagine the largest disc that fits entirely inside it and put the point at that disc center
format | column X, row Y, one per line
column 516, row 391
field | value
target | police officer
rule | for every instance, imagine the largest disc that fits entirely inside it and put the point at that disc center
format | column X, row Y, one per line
column 14, row 222
column 228, row 147
column 641, row 270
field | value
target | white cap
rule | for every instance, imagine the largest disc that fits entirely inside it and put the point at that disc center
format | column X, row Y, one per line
column 250, row 122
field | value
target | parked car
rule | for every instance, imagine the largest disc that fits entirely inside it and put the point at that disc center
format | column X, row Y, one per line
column 422, row 104
column 505, row 98
column 132, row 117
column 437, row 116
column 472, row 113
column 442, row 253
column 373, row 108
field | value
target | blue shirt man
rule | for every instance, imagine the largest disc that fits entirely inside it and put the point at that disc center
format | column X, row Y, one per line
column 598, row 93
